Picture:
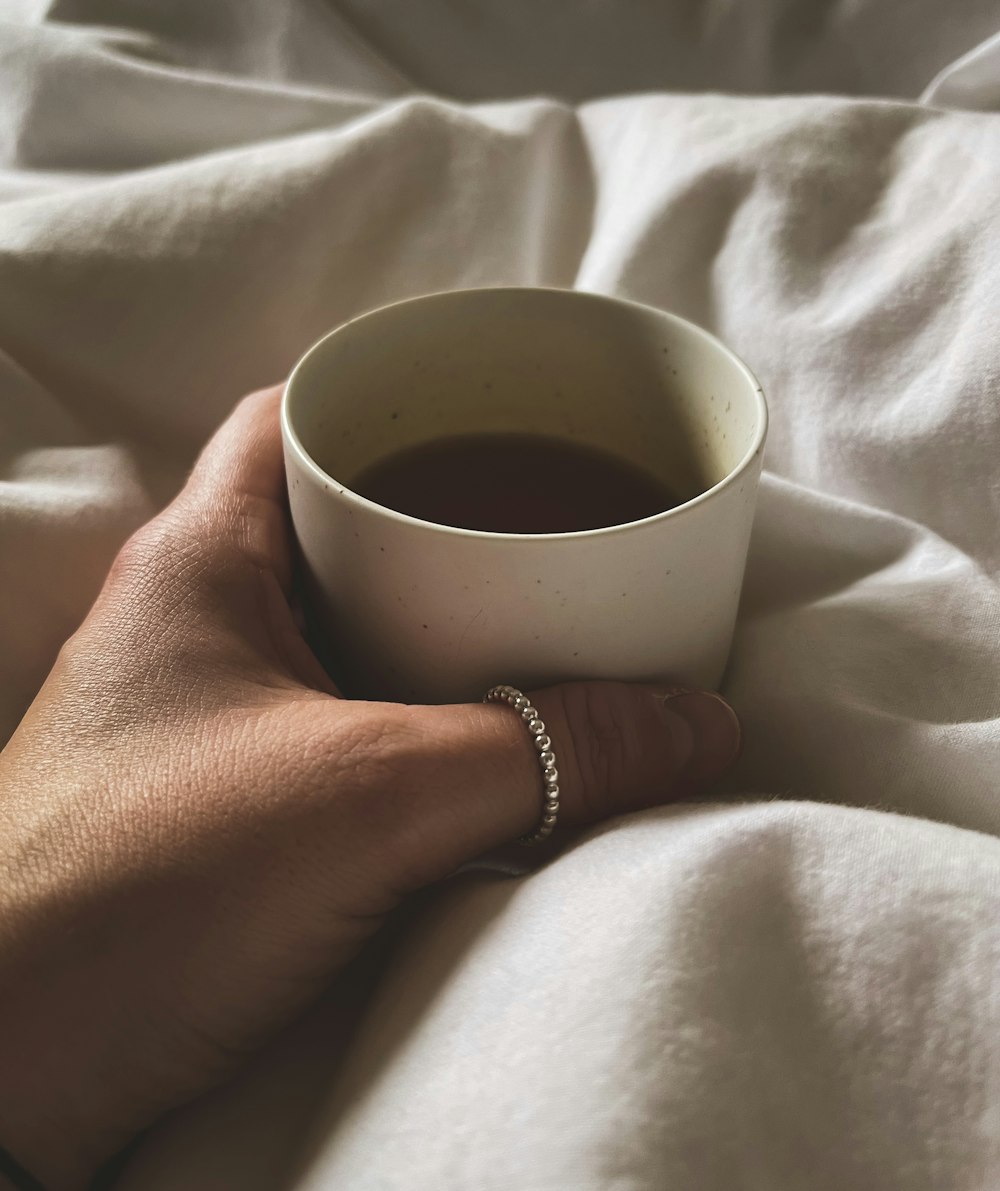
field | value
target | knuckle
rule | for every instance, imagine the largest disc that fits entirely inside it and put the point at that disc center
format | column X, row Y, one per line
column 366, row 754
column 74, row 663
column 170, row 556
column 146, row 553
column 373, row 763
column 154, row 595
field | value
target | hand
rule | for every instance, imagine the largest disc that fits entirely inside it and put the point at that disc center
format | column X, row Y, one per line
column 196, row 832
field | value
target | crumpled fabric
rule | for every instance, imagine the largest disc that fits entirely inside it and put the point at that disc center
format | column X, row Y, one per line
column 797, row 983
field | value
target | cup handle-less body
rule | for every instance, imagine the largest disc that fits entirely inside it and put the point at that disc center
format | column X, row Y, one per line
column 425, row 613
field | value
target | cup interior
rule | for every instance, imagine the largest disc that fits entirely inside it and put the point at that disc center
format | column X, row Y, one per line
column 649, row 387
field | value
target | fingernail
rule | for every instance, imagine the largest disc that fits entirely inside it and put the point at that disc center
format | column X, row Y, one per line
column 705, row 729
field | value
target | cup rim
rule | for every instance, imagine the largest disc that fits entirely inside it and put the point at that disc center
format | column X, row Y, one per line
column 291, row 437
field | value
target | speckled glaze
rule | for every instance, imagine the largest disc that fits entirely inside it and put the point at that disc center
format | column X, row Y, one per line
column 426, row 613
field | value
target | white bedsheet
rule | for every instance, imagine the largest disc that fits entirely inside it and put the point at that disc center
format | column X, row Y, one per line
column 797, row 986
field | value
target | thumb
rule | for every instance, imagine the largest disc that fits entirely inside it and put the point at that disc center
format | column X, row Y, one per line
column 234, row 498
column 619, row 747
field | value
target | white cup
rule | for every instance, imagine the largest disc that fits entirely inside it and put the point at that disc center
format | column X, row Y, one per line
column 421, row 612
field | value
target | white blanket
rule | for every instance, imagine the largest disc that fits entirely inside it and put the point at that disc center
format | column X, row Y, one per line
column 797, row 985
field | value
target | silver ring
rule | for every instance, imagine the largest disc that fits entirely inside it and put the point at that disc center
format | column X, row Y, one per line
column 546, row 758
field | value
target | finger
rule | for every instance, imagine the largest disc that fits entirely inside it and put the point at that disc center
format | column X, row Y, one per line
column 235, row 494
column 244, row 456
column 227, row 536
column 476, row 783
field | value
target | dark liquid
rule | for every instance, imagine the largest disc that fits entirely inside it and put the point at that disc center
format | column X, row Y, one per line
column 514, row 483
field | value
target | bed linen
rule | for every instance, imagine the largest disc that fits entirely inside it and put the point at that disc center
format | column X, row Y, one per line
column 796, row 984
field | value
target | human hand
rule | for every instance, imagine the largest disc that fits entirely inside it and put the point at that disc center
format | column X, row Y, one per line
column 197, row 832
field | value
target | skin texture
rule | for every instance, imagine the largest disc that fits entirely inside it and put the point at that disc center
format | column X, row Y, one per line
column 197, row 833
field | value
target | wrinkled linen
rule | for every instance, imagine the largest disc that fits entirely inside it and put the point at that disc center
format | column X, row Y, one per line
column 797, row 984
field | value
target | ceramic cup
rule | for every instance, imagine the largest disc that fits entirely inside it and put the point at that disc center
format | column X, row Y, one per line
column 420, row 612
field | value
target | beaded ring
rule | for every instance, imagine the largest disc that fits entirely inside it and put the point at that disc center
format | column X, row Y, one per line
column 546, row 757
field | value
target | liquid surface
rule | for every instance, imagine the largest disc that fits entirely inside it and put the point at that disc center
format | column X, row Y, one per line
column 514, row 483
